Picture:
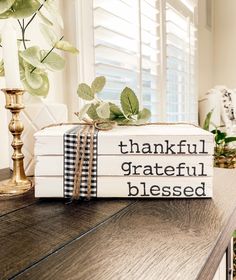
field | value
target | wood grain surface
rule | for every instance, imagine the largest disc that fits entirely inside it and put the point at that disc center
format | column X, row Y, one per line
column 32, row 232
column 8, row 205
column 151, row 239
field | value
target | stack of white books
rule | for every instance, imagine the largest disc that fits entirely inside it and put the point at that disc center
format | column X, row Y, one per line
column 152, row 161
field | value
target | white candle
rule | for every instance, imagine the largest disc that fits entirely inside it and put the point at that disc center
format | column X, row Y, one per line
column 10, row 56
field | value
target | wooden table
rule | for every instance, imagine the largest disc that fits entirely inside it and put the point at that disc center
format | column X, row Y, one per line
column 117, row 239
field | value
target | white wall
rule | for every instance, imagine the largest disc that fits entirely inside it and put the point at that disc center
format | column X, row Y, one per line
column 4, row 150
column 224, row 69
column 205, row 51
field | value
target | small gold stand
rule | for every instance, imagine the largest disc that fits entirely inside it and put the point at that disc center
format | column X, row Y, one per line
column 19, row 183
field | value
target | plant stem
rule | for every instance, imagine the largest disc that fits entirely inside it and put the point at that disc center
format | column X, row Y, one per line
column 42, row 60
column 32, row 18
column 22, row 27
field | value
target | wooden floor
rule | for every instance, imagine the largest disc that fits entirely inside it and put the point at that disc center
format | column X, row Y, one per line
column 160, row 239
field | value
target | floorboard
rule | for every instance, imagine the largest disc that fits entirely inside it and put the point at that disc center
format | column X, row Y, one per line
column 34, row 232
column 11, row 204
column 172, row 239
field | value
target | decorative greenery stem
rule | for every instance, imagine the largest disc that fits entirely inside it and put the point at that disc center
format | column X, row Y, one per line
column 24, row 27
column 32, row 18
column 33, row 58
column 46, row 55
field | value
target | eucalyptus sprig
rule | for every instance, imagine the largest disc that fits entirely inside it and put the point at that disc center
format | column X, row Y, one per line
column 34, row 61
column 98, row 109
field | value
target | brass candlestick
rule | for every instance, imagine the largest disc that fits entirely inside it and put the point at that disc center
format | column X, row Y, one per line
column 19, row 183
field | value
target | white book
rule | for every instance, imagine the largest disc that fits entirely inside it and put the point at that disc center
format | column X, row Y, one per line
column 132, row 187
column 140, row 165
column 133, row 161
column 135, row 140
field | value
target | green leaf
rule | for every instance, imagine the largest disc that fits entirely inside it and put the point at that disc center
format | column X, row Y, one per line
column 84, row 91
column 6, row 14
column 92, row 113
column 34, row 79
column 115, row 112
column 103, row 110
column 122, row 120
column 2, row 73
column 23, row 8
column 66, row 46
column 5, row 5
column 53, row 61
column 230, row 139
column 220, row 137
column 215, row 131
column 42, row 91
column 129, row 102
column 144, row 115
column 49, row 34
column 83, row 111
column 44, row 19
column 32, row 56
column 207, row 121
column 98, row 84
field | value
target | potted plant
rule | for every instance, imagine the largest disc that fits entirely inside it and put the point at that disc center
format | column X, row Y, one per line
column 224, row 154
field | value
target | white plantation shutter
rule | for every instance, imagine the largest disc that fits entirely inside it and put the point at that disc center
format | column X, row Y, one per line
column 180, row 40
column 126, row 42
column 147, row 45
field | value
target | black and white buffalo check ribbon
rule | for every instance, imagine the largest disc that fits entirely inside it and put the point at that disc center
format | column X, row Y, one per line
column 70, row 150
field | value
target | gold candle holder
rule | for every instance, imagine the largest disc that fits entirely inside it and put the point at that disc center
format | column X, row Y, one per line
column 19, row 183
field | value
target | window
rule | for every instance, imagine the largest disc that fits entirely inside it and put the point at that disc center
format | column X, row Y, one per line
column 180, row 44
column 149, row 46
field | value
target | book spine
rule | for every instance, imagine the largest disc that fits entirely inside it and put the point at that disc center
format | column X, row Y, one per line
column 142, row 165
column 147, row 187
column 134, row 166
column 155, row 145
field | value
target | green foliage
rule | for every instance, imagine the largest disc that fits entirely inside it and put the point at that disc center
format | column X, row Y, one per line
column 35, row 62
column 92, row 111
column 144, row 115
column 1, row 69
column 24, row 8
column 98, row 109
column 115, row 112
column 221, row 139
column 33, row 57
column 42, row 90
column 66, row 46
column 52, row 60
column 207, row 121
column 5, row 5
column 85, row 92
column 129, row 102
column 229, row 139
column 34, row 79
column 103, row 110
column 98, row 84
